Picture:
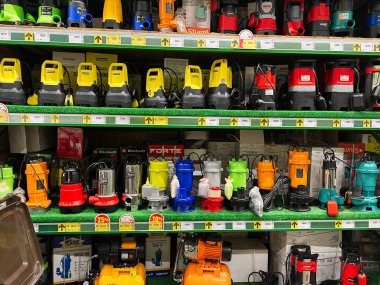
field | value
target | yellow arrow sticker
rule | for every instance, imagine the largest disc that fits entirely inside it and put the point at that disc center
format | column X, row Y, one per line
column 249, row 44
column 338, row 224
column 377, row 47
column 201, row 43
column 234, row 44
column 87, row 119
column 366, row 123
column 165, row 41
column 24, row 118
column 234, row 122
column 176, row 226
column 300, row 122
column 29, row 36
column 138, row 40
column 98, row 39
column 113, row 40
column 294, row 225
column 54, row 119
column 202, row 121
column 160, row 120
column 336, row 123
column 357, row 47
column 208, row 225
column 257, row 225
column 264, row 122
column 149, row 120
column 61, row 227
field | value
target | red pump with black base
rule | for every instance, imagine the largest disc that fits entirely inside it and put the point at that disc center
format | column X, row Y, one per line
column 351, row 268
column 372, row 85
column 263, row 92
column 228, row 19
column 318, row 18
column 303, row 265
column 263, row 21
column 293, row 17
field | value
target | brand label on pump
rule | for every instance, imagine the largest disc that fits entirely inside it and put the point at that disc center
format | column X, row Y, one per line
column 305, row 78
column 344, row 16
column 344, row 78
column 299, row 173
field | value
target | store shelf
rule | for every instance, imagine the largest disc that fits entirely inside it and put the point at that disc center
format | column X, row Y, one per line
column 126, row 39
column 53, row 222
column 179, row 118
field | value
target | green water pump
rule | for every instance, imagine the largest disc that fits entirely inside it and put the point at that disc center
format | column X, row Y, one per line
column 343, row 22
column 237, row 182
column 6, row 180
column 49, row 15
column 11, row 12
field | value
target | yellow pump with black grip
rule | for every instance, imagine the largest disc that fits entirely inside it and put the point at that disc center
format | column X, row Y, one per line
column 112, row 14
column 193, row 96
column 11, row 85
column 118, row 94
column 155, row 89
column 52, row 91
column 87, row 92
column 220, row 85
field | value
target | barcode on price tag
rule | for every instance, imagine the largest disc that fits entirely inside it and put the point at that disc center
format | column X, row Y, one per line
column 374, row 224
column 212, row 43
column 76, row 38
column 267, row 225
column 267, row 44
column 5, row 36
column 244, row 122
column 304, row 225
column 310, row 123
column 98, row 119
column 375, row 123
column 275, row 122
column 41, row 37
column 176, row 42
column 122, row 120
column 238, row 226
column 187, row 226
column 336, row 46
column 346, row 123
column 367, row 47
column 219, row 225
column 348, row 224
column 36, row 118
column 212, row 121
column 307, row 46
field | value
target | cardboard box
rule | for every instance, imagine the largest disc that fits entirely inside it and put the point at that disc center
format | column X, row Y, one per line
column 70, row 60
column 281, row 150
column 103, row 61
column 24, row 139
column 70, row 256
column 251, row 137
column 353, row 152
column 178, row 65
column 371, row 143
column 196, row 135
column 224, row 151
column 157, row 255
column 198, row 16
column 326, row 244
column 317, row 158
column 70, row 142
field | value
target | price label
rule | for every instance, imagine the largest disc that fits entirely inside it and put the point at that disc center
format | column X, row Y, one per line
column 176, row 42
column 72, row 227
column 122, row 120
column 367, row 47
column 336, row 46
column 76, row 39
column 375, row 123
column 348, row 224
column 35, row 226
column 113, row 40
column 187, row 226
column 126, row 223
column 36, row 118
column 98, row 119
column 102, row 223
column 212, row 43
column 219, row 225
column 4, row 118
column 374, row 224
column 161, row 120
column 275, row 122
column 244, row 122
column 307, row 45
column 304, row 225
column 238, row 226
column 212, row 121
column 310, row 123
column 346, row 123
column 156, row 222
column 41, row 37
column 5, row 36
column 267, row 225
column 138, row 40
column 249, row 44
column 267, row 44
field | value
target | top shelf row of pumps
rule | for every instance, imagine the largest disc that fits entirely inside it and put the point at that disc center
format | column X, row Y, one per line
column 313, row 18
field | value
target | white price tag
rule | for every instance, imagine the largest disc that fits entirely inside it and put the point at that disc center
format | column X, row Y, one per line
column 238, row 226
column 267, row 225
column 212, row 121
column 336, row 46
column 275, row 122
column 346, row 123
column 244, row 122
column 307, row 45
column 374, row 224
column 36, row 118
column 367, row 47
column 212, row 43
column 41, row 37
column 76, row 39
column 98, row 119
column 122, row 120
column 35, row 226
column 267, row 44
column 310, row 122
column 219, row 225
column 348, row 224
column 187, row 226
column 375, row 123
column 304, row 225
column 176, row 42
column 5, row 36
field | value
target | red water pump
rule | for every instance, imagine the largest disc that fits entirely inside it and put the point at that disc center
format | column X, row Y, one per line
column 293, row 17
column 228, row 18
column 303, row 265
column 263, row 92
column 351, row 268
column 263, row 21
column 372, row 85
column 318, row 18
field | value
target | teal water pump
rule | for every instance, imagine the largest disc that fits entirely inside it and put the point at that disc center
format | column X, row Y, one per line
column 366, row 172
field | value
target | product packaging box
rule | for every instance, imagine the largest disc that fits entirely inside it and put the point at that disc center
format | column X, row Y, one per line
column 157, row 255
column 371, row 143
column 326, row 244
column 103, row 62
column 165, row 150
column 24, row 139
column 178, row 65
column 223, row 151
column 70, row 60
column 70, row 142
column 353, row 152
column 198, row 15
column 70, row 256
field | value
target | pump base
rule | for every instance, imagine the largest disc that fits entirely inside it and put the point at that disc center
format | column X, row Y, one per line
column 193, row 99
column 51, row 95
column 158, row 204
column 72, row 210
column 318, row 28
column 261, row 101
column 111, row 24
column 211, row 273
column 158, row 101
column 219, row 97
column 104, row 204
column 324, row 197
column 342, row 32
column 302, row 101
column 365, row 204
column 212, row 204
column 118, row 97
column 339, row 101
column 12, row 94
column 297, row 200
column 374, row 31
column 86, row 96
column 132, row 202
column 183, row 205
column 237, row 205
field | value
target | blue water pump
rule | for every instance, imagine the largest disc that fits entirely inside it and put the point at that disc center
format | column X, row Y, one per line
column 78, row 15
column 184, row 201
column 373, row 19
column 142, row 15
column 64, row 271
column 157, row 260
column 366, row 172
column 328, row 191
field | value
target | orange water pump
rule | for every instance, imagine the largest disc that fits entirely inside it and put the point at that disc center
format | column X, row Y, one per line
column 166, row 15
column 266, row 172
column 206, row 255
